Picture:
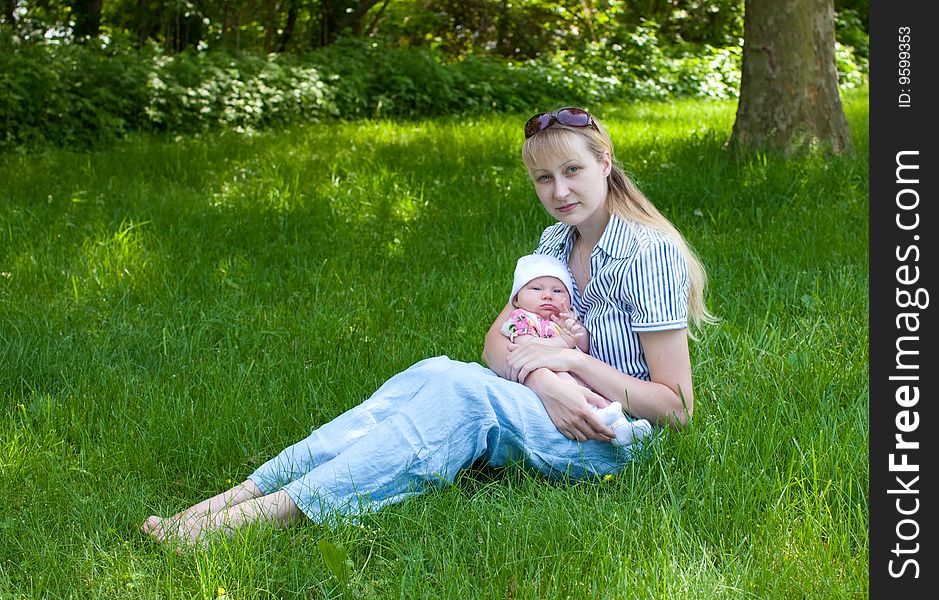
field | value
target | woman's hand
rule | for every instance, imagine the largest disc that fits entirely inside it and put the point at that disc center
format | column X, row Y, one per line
column 523, row 359
column 567, row 405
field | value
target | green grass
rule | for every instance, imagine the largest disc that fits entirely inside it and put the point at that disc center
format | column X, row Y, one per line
column 173, row 312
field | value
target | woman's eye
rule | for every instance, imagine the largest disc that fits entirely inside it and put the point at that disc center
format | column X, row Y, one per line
column 543, row 177
column 572, row 170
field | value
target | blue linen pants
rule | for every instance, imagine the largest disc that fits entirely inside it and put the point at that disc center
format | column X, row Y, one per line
column 417, row 431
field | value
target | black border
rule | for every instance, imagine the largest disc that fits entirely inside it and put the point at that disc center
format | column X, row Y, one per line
column 893, row 129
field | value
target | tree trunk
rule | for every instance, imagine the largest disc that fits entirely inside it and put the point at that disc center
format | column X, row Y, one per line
column 292, row 12
column 146, row 25
column 87, row 18
column 789, row 94
column 9, row 13
column 339, row 16
column 374, row 24
column 271, row 26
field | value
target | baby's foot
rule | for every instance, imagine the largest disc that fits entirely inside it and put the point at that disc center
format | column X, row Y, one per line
column 629, row 432
column 610, row 414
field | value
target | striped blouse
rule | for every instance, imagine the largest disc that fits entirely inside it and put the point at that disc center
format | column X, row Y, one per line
column 639, row 282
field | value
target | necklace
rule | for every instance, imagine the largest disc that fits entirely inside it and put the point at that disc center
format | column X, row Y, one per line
column 584, row 263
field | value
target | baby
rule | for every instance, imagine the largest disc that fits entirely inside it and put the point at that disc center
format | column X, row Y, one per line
column 541, row 295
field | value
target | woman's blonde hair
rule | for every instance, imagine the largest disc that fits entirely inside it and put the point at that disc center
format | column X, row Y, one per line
column 623, row 199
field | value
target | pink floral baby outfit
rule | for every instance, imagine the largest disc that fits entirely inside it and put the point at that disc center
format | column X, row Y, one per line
column 523, row 322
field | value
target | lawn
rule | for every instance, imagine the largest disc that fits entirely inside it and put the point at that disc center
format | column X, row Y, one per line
column 175, row 311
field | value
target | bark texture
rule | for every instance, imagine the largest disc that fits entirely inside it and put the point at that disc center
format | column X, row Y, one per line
column 789, row 94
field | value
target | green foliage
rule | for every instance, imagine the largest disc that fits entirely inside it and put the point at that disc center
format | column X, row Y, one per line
column 521, row 29
column 79, row 94
column 526, row 29
column 68, row 94
column 852, row 50
column 852, row 68
column 373, row 81
column 418, row 81
column 335, row 557
column 369, row 80
column 851, row 31
column 637, row 65
column 202, row 90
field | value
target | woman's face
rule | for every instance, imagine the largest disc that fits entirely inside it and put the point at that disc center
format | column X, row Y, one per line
column 544, row 296
column 572, row 185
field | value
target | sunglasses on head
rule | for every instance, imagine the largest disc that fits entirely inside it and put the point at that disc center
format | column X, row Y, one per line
column 573, row 117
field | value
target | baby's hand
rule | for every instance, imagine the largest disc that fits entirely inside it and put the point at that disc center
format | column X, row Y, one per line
column 571, row 329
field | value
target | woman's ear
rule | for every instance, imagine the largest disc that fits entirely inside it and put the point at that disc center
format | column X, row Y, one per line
column 607, row 163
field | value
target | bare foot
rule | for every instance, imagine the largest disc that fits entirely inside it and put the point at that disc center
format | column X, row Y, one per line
column 190, row 527
column 150, row 525
column 176, row 529
column 159, row 528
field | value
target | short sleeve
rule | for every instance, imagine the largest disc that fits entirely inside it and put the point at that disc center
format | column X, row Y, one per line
column 657, row 288
column 521, row 322
column 553, row 241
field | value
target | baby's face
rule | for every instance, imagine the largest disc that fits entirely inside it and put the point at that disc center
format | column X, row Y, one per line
column 544, row 296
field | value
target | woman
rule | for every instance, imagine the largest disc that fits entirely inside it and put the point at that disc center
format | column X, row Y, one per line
column 637, row 286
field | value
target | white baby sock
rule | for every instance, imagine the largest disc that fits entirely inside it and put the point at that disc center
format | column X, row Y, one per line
column 627, row 432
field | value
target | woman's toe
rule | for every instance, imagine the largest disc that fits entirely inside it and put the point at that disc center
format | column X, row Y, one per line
column 151, row 525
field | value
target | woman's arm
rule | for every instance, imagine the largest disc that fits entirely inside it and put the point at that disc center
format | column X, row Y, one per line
column 565, row 401
column 494, row 346
column 667, row 399
column 555, row 342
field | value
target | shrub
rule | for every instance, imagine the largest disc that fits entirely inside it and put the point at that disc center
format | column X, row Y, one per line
column 369, row 80
column 372, row 81
column 852, row 67
column 75, row 95
column 68, row 94
column 198, row 90
column 636, row 65
column 851, row 31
